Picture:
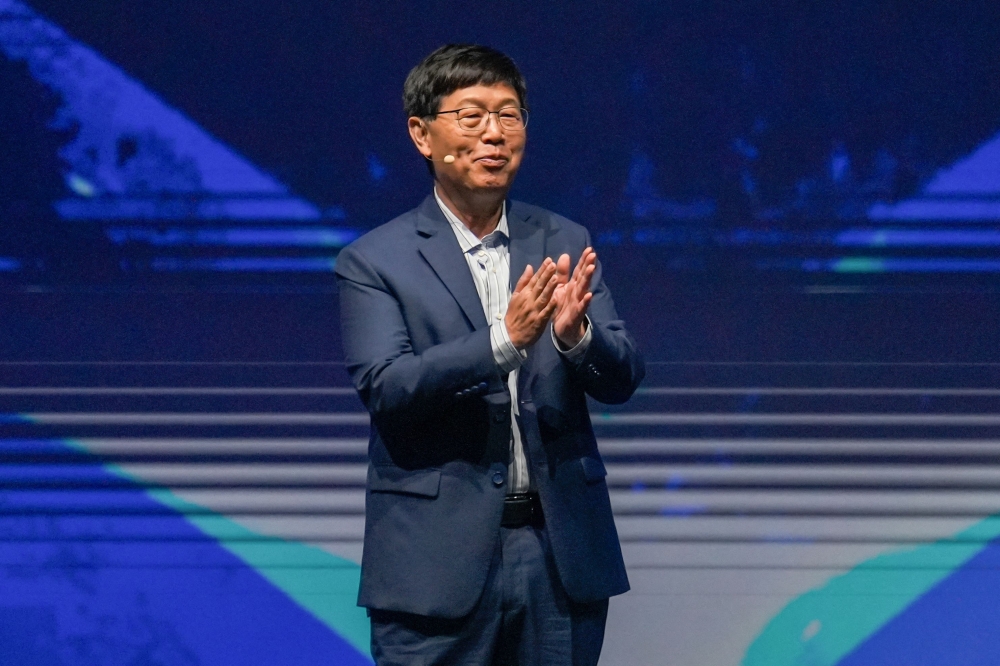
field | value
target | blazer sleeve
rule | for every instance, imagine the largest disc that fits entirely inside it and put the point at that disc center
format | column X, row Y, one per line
column 392, row 380
column 612, row 367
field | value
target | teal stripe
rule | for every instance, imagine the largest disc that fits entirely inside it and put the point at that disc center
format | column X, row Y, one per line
column 859, row 265
column 323, row 584
column 822, row 626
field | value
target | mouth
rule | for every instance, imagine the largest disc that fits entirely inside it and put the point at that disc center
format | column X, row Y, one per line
column 493, row 161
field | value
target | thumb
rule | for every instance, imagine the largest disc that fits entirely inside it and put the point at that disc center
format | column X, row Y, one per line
column 562, row 268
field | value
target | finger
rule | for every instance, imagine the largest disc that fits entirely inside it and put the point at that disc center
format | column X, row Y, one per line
column 547, row 270
column 525, row 278
column 588, row 274
column 587, row 257
column 559, row 295
column 547, row 312
column 546, row 296
column 583, row 259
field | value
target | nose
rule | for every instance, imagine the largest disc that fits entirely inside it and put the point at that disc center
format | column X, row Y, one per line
column 493, row 130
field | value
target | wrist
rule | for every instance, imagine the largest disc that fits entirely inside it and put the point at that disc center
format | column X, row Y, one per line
column 574, row 336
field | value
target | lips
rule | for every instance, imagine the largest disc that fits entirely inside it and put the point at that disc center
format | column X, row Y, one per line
column 494, row 161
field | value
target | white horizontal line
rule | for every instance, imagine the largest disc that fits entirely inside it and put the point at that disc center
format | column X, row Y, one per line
column 351, row 501
column 692, row 502
column 229, row 446
column 270, row 474
column 599, row 419
column 848, row 364
column 197, row 418
column 775, row 555
column 148, row 363
column 958, row 364
column 174, row 390
column 820, row 501
column 832, row 528
column 833, row 475
column 346, row 390
column 899, row 419
column 710, row 390
column 608, row 446
column 799, row 446
column 263, row 474
column 657, row 475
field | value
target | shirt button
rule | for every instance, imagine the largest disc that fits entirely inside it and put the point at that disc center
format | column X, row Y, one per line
column 499, row 316
column 497, row 479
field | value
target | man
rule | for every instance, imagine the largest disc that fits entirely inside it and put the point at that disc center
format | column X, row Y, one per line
column 489, row 537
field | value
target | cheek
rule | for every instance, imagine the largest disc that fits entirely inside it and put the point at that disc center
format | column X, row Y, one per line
column 517, row 150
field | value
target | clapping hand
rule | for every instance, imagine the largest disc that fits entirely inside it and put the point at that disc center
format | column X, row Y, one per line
column 531, row 305
column 572, row 297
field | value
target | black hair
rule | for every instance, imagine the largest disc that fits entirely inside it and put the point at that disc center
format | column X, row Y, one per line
column 453, row 67
column 456, row 66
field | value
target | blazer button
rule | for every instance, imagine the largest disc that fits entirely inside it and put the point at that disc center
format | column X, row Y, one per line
column 497, row 479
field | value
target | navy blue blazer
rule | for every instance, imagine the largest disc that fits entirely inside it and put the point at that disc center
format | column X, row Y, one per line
column 418, row 351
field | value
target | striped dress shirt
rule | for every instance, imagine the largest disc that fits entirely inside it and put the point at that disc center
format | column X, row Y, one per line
column 489, row 264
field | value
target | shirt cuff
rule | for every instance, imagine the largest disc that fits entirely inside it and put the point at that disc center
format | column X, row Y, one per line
column 508, row 357
column 581, row 347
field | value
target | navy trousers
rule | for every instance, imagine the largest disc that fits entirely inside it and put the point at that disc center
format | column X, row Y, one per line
column 524, row 618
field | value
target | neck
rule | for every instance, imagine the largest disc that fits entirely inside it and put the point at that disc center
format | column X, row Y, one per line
column 478, row 210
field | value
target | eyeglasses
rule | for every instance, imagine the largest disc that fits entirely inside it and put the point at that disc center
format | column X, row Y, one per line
column 473, row 119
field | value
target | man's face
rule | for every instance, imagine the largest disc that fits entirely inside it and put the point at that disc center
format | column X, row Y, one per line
column 484, row 160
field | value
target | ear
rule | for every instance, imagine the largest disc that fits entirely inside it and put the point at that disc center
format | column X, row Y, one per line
column 420, row 134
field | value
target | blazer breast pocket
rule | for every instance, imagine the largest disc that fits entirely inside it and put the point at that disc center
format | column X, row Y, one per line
column 421, row 482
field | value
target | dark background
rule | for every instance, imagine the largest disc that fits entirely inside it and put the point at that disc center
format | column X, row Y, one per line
column 661, row 126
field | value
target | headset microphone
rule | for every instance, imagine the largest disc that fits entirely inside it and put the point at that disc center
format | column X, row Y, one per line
column 449, row 159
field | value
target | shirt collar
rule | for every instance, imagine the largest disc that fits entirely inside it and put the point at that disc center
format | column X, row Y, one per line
column 466, row 238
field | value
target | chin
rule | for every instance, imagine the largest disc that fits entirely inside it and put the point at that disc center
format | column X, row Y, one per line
column 498, row 181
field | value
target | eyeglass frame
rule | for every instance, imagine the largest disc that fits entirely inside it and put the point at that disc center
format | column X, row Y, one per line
column 486, row 122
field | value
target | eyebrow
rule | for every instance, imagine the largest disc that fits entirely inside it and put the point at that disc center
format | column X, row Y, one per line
column 477, row 101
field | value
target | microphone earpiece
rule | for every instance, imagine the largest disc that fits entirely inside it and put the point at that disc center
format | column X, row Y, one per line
column 449, row 159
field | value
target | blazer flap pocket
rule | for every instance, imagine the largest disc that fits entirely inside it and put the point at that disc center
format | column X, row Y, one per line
column 423, row 482
column 593, row 469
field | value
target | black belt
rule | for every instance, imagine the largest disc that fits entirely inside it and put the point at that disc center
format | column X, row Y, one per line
column 521, row 510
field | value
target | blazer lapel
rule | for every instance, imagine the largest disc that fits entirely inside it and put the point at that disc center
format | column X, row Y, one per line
column 441, row 250
column 527, row 243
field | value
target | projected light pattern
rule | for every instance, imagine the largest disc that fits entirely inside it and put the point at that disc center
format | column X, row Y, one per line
column 930, row 209
column 133, row 158
column 235, row 237
column 96, row 570
column 918, row 238
column 769, row 523
column 184, row 208
column 244, row 264
column 962, row 194
column 893, row 265
column 128, row 140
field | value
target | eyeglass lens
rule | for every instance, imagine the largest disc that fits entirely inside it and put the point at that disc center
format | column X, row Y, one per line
column 510, row 118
